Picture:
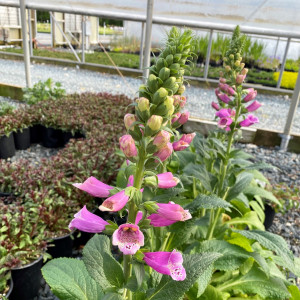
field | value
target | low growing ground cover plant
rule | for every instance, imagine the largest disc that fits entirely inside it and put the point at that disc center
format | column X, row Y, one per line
column 190, row 235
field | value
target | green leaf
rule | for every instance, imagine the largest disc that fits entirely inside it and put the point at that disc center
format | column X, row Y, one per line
column 258, row 191
column 212, row 293
column 250, row 218
column 256, row 282
column 243, row 180
column 240, row 240
column 111, row 296
column 257, row 208
column 101, row 265
column 195, row 266
column 139, row 271
column 208, row 202
column 272, row 242
column 294, row 290
column 69, row 280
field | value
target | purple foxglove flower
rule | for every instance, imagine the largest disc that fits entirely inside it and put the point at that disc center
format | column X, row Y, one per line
column 225, row 112
column 253, row 106
column 168, row 214
column 129, row 119
column 87, row 222
column 161, row 139
column 94, row 187
column 167, row 263
column 180, row 145
column 251, row 95
column 215, row 105
column 165, row 152
column 166, row 180
column 188, row 138
column 225, row 123
column 115, row 202
column 250, row 120
column 183, row 117
column 240, row 78
column 127, row 145
column 176, row 117
column 128, row 238
column 224, row 98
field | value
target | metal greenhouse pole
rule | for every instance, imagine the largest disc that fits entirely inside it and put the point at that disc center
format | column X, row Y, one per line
column 291, row 115
column 25, row 43
column 147, row 53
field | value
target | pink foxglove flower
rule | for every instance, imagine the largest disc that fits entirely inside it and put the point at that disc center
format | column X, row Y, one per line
column 215, row 105
column 165, row 152
column 227, row 89
column 225, row 112
column 225, row 123
column 182, row 101
column 224, row 98
column 183, row 118
column 127, row 145
column 250, row 120
column 188, row 138
column 129, row 119
column 167, row 180
column 115, row 202
column 128, row 238
column 253, row 106
column 94, row 187
column 87, row 222
column 167, row 263
column 251, row 95
column 168, row 214
column 180, row 145
column 161, row 139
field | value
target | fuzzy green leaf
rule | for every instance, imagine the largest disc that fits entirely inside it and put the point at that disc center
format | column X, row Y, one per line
column 101, row 265
column 195, row 266
column 243, row 180
column 258, row 191
column 70, row 280
column 250, row 218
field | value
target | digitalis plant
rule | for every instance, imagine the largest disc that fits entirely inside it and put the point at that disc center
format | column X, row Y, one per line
column 150, row 140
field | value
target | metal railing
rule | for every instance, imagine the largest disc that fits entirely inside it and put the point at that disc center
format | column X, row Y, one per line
column 211, row 27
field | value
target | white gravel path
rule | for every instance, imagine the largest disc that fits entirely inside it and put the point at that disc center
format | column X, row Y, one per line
column 272, row 115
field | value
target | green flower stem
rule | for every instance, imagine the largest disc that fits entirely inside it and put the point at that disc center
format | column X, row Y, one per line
column 221, row 193
column 138, row 180
column 163, row 246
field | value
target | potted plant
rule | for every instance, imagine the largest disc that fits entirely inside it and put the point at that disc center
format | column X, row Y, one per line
column 22, row 238
column 7, row 145
column 6, row 283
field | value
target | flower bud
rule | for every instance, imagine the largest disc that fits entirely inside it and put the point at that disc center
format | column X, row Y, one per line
column 176, row 117
column 222, row 80
column 188, row 138
column 215, row 105
column 242, row 65
column 127, row 145
column 151, row 206
column 251, row 95
column 237, row 63
column 181, row 89
column 182, row 101
column 227, row 68
column 244, row 71
column 231, row 56
column 154, row 123
column 176, row 100
column 165, row 152
column 240, row 78
column 129, row 119
column 143, row 104
column 253, row 106
column 161, row 139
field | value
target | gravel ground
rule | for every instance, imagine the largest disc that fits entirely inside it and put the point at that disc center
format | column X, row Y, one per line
column 272, row 116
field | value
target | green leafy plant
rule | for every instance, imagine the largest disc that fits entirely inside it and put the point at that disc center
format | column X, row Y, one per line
column 42, row 91
column 6, row 108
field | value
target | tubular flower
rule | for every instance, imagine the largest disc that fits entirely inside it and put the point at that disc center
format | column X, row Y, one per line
column 87, row 222
column 128, row 238
column 127, row 145
column 168, row 214
column 165, row 152
column 225, row 123
column 167, row 180
column 253, row 106
column 168, row 263
column 129, row 119
column 251, row 95
column 180, row 145
column 250, row 120
column 182, row 101
column 176, row 117
column 161, row 139
column 240, row 78
column 227, row 89
column 225, row 112
column 94, row 187
column 115, row 202
column 224, row 98
column 183, row 118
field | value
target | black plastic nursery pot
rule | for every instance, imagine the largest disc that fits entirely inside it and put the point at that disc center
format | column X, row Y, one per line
column 81, row 238
column 35, row 134
column 7, row 146
column 61, row 246
column 8, row 293
column 67, row 135
column 51, row 138
column 22, row 139
column 26, row 280
column 269, row 216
